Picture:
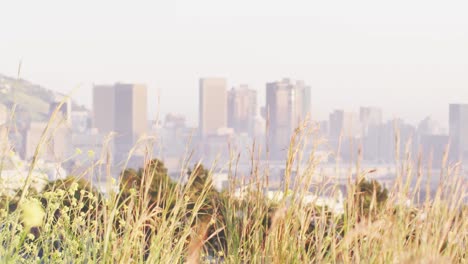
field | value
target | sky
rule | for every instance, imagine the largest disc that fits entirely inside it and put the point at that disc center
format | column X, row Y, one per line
column 408, row 57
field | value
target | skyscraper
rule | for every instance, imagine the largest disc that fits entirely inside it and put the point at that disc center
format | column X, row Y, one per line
column 104, row 108
column 344, row 124
column 242, row 109
column 371, row 120
column 284, row 110
column 306, row 98
column 369, row 117
column 131, row 120
column 121, row 108
column 213, row 105
column 458, row 126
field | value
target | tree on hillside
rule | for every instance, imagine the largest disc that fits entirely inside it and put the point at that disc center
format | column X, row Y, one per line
column 151, row 184
column 370, row 197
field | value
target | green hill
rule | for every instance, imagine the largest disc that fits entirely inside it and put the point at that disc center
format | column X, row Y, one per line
column 32, row 100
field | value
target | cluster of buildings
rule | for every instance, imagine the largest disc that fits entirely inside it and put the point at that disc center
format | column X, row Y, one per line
column 231, row 121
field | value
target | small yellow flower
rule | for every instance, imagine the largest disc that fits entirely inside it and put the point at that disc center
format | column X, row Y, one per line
column 32, row 213
column 78, row 151
column 91, row 153
column 73, row 188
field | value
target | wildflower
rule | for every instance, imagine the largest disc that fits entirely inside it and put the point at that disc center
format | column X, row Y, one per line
column 31, row 236
column 73, row 188
column 91, row 153
column 78, row 151
column 60, row 193
column 212, row 221
column 32, row 213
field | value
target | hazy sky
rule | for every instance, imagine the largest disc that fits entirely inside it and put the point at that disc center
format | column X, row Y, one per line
column 409, row 57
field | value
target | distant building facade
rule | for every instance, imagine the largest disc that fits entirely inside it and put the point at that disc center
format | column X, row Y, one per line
column 53, row 144
column 121, row 108
column 433, row 149
column 344, row 124
column 369, row 117
column 242, row 109
column 458, row 132
column 371, row 120
column 212, row 105
column 285, row 110
column 104, row 108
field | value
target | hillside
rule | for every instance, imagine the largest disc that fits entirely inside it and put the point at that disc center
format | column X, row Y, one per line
column 32, row 100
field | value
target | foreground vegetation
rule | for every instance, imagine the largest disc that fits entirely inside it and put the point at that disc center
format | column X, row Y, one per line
column 155, row 220
column 152, row 219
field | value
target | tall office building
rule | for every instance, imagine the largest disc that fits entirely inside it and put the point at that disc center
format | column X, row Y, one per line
column 284, row 110
column 104, row 108
column 121, row 108
column 369, row 117
column 371, row 120
column 131, row 120
column 242, row 109
column 306, row 98
column 213, row 105
column 458, row 126
column 345, row 124
column 429, row 126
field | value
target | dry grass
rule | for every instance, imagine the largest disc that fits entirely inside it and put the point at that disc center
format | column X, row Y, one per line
column 155, row 221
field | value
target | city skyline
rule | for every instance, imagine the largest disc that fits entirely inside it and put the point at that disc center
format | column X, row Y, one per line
column 350, row 55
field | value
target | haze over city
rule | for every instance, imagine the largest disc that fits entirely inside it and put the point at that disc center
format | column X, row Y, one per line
column 222, row 131
column 409, row 58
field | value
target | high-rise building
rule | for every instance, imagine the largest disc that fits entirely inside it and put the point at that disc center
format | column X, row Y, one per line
column 104, row 108
column 429, row 126
column 242, row 109
column 131, row 117
column 433, row 149
column 344, row 124
column 369, row 117
column 335, row 123
column 285, row 110
column 121, row 108
column 458, row 126
column 371, row 120
column 213, row 105
column 306, row 98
